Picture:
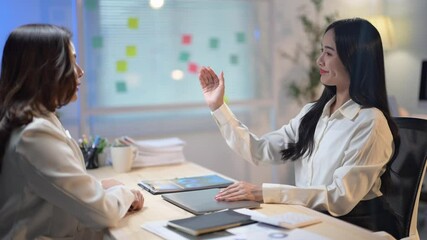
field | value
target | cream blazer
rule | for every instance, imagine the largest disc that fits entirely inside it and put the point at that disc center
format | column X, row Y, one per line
column 45, row 191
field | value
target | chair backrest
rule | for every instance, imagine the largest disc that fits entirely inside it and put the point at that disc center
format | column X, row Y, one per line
column 402, row 181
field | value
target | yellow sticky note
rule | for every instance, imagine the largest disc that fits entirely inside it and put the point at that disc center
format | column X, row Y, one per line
column 133, row 23
column 131, row 51
column 121, row 66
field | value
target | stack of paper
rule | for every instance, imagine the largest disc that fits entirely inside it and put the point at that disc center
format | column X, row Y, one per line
column 155, row 152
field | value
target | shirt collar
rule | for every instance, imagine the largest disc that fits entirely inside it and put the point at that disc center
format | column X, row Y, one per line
column 349, row 109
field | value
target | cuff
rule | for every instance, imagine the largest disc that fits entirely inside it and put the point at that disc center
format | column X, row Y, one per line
column 275, row 193
column 222, row 115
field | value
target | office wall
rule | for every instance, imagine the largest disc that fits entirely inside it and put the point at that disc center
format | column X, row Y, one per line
column 403, row 60
column 403, row 64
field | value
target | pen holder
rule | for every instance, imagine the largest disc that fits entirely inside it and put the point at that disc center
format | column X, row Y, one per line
column 91, row 157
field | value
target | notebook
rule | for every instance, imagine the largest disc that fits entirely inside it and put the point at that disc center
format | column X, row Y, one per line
column 203, row 201
column 212, row 222
column 184, row 184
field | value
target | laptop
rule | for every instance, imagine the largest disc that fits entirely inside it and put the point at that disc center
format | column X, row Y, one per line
column 203, row 201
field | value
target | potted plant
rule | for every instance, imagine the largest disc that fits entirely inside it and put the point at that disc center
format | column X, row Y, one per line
column 306, row 88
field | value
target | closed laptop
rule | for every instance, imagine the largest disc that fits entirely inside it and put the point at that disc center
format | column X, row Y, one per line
column 203, row 201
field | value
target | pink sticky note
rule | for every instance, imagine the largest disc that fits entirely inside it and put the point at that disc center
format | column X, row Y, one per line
column 193, row 68
column 186, row 39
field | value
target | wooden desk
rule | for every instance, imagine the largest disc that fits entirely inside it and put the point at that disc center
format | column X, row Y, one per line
column 155, row 208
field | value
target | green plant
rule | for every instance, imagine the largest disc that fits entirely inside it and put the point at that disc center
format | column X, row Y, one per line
column 306, row 88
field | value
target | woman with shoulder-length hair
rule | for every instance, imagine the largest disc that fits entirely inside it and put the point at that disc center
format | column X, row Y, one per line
column 340, row 144
column 45, row 189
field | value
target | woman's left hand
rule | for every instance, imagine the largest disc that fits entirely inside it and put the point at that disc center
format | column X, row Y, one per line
column 240, row 191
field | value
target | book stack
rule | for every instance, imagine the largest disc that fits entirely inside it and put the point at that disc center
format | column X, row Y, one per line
column 156, row 152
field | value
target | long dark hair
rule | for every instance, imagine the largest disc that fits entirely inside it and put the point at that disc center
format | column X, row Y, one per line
column 360, row 49
column 37, row 76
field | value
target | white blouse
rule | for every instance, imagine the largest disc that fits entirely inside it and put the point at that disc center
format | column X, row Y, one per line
column 45, row 191
column 351, row 147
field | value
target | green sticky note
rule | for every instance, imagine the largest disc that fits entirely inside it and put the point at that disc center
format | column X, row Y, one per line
column 234, row 59
column 226, row 101
column 131, row 51
column 121, row 66
column 121, row 87
column 133, row 23
column 97, row 42
column 213, row 43
column 184, row 56
column 240, row 37
column 91, row 4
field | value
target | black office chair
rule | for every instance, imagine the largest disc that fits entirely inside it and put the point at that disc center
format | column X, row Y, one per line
column 402, row 181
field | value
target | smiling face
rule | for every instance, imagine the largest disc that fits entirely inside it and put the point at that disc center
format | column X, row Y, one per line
column 78, row 70
column 332, row 70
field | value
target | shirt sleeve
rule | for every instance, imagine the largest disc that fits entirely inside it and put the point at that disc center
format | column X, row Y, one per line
column 250, row 147
column 55, row 173
column 369, row 150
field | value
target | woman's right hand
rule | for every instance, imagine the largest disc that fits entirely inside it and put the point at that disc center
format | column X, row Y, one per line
column 138, row 202
column 212, row 87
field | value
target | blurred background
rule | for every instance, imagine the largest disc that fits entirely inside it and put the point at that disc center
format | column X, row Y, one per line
column 141, row 60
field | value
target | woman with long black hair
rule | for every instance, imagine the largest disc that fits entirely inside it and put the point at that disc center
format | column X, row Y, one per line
column 340, row 144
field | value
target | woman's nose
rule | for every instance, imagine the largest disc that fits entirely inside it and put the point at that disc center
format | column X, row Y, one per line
column 319, row 61
column 80, row 72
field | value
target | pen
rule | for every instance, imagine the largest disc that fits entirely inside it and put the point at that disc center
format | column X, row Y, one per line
column 96, row 141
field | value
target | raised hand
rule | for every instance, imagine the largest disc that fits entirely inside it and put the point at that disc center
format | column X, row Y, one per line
column 212, row 87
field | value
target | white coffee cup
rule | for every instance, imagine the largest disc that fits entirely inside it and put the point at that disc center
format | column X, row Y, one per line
column 122, row 157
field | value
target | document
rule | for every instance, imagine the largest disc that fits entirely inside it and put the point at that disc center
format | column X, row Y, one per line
column 255, row 231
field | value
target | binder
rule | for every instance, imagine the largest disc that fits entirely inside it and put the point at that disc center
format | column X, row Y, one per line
column 212, row 222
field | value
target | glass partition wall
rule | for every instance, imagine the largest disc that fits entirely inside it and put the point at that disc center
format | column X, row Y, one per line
column 141, row 62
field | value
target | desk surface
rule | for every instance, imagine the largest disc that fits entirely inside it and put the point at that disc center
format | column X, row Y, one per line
column 155, row 208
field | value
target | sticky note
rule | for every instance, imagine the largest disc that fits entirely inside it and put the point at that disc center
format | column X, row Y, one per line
column 213, row 43
column 121, row 66
column 226, row 99
column 121, row 87
column 186, row 39
column 131, row 51
column 90, row 4
column 192, row 68
column 133, row 23
column 257, row 34
column 240, row 37
column 234, row 59
column 97, row 42
column 184, row 56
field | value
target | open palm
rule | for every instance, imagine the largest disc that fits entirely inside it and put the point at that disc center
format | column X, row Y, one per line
column 212, row 87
